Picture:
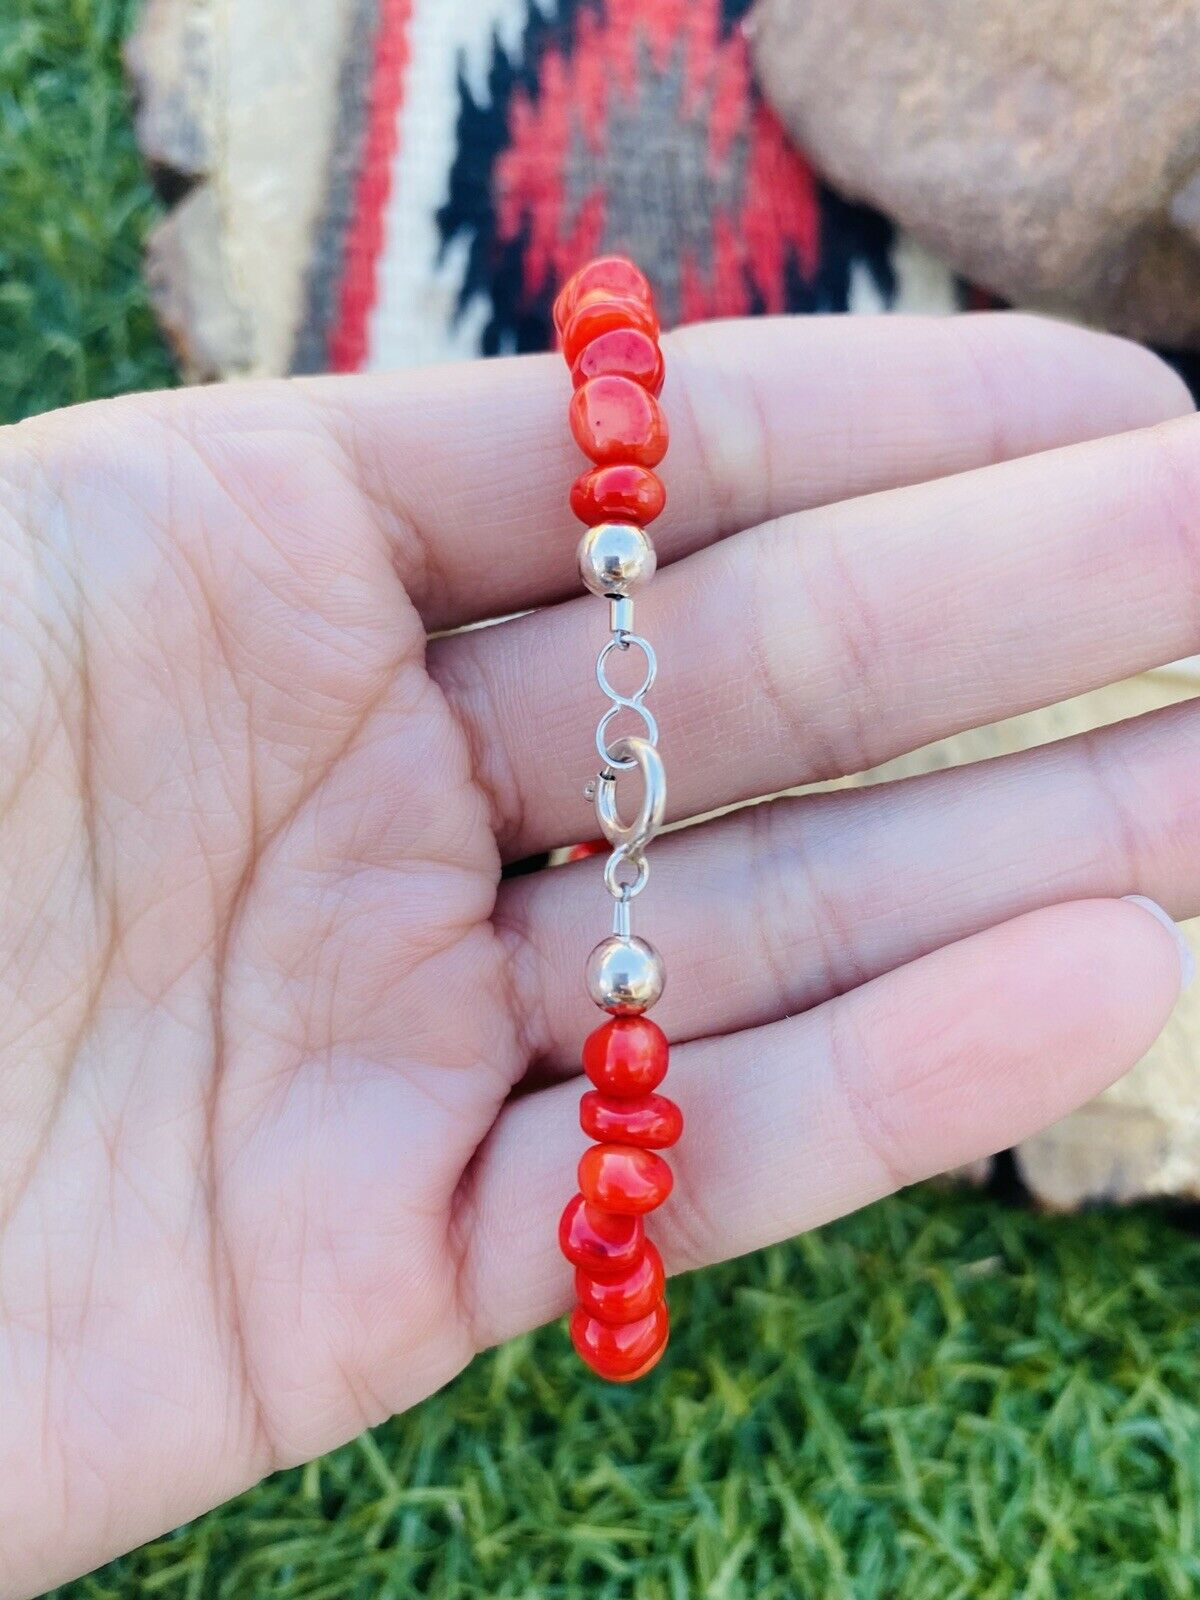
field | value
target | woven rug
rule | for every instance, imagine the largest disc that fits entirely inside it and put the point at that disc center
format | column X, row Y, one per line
column 359, row 184
column 382, row 183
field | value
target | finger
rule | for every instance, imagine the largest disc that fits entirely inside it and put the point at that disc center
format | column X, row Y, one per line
column 827, row 642
column 469, row 466
column 960, row 1054
column 778, row 907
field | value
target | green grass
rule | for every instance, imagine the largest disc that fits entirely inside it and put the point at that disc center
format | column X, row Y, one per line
column 75, row 323
column 940, row 1397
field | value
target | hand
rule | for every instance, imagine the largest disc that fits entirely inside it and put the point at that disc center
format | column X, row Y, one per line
column 263, row 1179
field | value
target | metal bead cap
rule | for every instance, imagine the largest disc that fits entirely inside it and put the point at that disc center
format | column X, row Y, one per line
column 615, row 558
column 625, row 975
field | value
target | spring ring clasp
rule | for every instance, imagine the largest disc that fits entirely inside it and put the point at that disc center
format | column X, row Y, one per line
column 631, row 838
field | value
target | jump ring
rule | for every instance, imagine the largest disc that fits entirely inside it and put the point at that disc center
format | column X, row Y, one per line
column 611, row 757
column 624, row 892
column 623, row 643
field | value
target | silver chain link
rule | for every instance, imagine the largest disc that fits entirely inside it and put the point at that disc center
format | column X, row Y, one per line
column 626, row 753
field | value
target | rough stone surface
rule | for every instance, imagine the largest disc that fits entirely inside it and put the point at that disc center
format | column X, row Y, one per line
column 1141, row 1138
column 238, row 101
column 1049, row 151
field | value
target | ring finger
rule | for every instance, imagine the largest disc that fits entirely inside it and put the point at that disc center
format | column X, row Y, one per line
column 784, row 905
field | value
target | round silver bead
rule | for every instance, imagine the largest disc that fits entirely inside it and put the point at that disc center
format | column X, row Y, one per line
column 625, row 975
column 615, row 558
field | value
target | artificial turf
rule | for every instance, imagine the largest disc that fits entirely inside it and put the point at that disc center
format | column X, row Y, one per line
column 74, row 205
column 945, row 1396
column 940, row 1397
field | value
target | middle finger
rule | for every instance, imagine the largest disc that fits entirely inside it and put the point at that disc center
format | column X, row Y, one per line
column 829, row 641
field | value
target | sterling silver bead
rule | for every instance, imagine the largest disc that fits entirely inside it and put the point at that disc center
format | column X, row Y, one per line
column 615, row 558
column 625, row 975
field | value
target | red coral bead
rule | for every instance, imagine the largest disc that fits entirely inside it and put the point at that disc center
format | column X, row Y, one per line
column 592, row 847
column 616, row 274
column 628, row 1298
column 652, row 1122
column 624, row 1179
column 620, row 1353
column 626, row 1057
column 615, row 419
column 599, row 312
column 620, row 493
column 628, row 352
column 600, row 1242
column 613, row 275
column 561, row 309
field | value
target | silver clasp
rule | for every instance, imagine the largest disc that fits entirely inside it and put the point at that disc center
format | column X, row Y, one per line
column 631, row 838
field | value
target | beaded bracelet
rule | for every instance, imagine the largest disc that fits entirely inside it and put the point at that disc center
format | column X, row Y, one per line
column 608, row 332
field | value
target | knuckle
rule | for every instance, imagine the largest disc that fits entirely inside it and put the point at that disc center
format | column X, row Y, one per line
column 860, row 1077
column 804, row 938
column 471, row 698
column 817, row 673
column 1172, row 487
column 726, row 426
column 692, row 1235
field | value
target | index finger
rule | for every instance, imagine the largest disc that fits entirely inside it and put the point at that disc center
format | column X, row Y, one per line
column 469, row 466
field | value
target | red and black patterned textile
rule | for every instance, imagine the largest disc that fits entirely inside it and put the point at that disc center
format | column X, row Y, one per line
column 488, row 147
column 634, row 125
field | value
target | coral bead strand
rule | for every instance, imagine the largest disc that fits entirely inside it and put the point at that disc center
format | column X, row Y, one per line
column 620, row 1323
column 608, row 332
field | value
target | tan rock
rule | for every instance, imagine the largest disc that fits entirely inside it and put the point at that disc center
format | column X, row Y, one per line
column 1141, row 1138
column 239, row 100
column 1049, row 151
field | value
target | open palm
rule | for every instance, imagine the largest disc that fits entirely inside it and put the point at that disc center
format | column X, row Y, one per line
column 263, row 1176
